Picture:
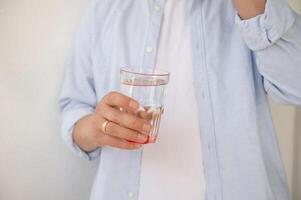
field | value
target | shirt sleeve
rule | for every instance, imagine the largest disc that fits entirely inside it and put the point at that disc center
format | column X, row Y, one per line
column 275, row 40
column 77, row 96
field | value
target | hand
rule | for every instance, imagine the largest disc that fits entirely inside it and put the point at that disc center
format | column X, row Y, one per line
column 125, row 129
column 249, row 8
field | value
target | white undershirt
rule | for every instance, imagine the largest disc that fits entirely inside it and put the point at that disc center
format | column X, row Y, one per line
column 172, row 167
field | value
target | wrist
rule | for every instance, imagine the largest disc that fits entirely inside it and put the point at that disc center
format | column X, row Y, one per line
column 81, row 136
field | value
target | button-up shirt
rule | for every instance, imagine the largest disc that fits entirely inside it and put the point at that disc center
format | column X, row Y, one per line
column 172, row 168
column 236, row 64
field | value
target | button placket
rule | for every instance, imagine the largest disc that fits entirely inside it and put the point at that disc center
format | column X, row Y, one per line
column 150, row 49
column 211, row 167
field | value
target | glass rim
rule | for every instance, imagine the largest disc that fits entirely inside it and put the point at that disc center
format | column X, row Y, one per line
column 154, row 71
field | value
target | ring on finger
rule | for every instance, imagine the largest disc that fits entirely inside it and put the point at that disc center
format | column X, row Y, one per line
column 104, row 126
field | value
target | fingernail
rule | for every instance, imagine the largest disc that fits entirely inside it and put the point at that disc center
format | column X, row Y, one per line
column 146, row 128
column 138, row 145
column 134, row 105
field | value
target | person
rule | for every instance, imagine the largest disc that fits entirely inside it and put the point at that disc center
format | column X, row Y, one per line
column 216, row 139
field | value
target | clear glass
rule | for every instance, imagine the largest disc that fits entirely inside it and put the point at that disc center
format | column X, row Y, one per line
column 148, row 87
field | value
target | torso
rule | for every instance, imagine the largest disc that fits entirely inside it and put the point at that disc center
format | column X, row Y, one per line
column 172, row 167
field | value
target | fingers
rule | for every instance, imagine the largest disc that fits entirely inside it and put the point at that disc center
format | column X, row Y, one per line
column 126, row 120
column 122, row 101
column 125, row 127
column 120, row 143
column 125, row 133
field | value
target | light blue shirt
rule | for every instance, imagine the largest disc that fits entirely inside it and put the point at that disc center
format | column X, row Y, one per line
column 236, row 64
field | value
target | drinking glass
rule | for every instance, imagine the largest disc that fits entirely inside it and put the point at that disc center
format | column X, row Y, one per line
column 148, row 87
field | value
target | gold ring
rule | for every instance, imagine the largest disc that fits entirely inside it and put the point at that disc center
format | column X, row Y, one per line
column 104, row 126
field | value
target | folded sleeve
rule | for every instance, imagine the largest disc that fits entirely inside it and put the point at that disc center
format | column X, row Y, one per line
column 275, row 41
column 77, row 96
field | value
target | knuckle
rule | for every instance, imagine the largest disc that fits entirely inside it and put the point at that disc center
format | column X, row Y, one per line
column 98, row 106
column 123, row 101
column 113, row 116
column 101, row 104
column 135, row 123
column 124, row 133
column 94, row 119
column 123, row 119
column 128, row 135
column 118, row 132
column 110, row 128
column 115, row 96
column 101, row 108
column 112, row 94
column 95, row 122
column 126, row 102
column 118, row 99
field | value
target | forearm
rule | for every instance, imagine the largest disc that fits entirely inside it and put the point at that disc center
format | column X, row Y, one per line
column 280, row 66
column 249, row 8
column 273, row 34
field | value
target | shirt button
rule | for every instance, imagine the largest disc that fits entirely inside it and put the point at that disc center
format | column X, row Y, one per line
column 157, row 8
column 130, row 195
column 149, row 49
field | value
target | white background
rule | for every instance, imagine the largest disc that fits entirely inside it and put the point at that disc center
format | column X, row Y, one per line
column 35, row 36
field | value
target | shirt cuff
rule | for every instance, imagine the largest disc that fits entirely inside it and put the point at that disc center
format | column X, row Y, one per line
column 264, row 30
column 69, row 118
